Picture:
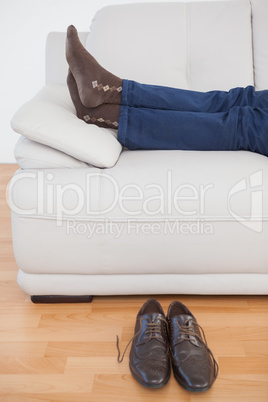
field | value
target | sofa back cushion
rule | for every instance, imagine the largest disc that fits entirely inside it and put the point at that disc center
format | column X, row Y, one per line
column 194, row 45
column 260, row 42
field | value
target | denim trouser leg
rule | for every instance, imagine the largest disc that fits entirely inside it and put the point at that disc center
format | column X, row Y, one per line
column 158, row 97
column 239, row 128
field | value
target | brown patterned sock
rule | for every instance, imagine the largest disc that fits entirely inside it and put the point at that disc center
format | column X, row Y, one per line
column 95, row 84
column 105, row 115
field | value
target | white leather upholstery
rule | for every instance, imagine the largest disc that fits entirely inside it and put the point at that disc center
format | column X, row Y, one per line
column 50, row 118
column 144, row 216
column 259, row 37
column 209, row 284
column 158, row 221
column 56, row 64
column 201, row 46
column 33, row 155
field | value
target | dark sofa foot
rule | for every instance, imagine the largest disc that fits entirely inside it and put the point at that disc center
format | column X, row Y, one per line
column 61, row 299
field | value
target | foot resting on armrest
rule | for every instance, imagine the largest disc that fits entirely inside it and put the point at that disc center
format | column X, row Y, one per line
column 105, row 115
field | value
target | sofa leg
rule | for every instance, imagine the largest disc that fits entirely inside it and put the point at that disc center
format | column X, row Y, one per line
column 61, row 299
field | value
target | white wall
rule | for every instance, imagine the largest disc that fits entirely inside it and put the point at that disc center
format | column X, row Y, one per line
column 24, row 25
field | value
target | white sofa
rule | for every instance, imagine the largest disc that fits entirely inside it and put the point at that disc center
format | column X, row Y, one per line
column 108, row 221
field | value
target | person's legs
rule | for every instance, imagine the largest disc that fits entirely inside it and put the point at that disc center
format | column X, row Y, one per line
column 97, row 86
column 241, row 128
column 165, row 98
column 144, row 121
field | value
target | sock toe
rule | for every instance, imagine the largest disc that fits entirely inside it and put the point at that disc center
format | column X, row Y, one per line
column 71, row 30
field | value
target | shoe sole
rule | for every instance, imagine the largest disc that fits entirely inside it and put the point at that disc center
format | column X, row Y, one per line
column 147, row 385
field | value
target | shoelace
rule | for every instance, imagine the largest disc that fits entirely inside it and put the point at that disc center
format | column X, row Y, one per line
column 190, row 332
column 153, row 329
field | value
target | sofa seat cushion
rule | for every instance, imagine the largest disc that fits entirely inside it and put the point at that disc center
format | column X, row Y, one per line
column 50, row 119
column 154, row 212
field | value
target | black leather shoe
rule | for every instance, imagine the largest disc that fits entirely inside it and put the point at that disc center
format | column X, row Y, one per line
column 149, row 359
column 193, row 363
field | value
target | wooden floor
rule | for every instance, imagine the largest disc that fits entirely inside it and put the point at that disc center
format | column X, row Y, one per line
column 68, row 352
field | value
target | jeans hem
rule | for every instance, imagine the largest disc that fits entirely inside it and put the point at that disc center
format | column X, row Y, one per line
column 125, row 93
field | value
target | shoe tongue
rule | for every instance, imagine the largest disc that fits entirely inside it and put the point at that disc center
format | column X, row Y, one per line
column 150, row 319
column 186, row 320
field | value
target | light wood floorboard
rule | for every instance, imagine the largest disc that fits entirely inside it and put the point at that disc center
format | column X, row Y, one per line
column 68, row 352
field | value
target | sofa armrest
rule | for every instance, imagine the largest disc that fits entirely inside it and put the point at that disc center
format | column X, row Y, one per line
column 50, row 119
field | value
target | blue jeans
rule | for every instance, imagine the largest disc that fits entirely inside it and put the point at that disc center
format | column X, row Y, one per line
column 156, row 117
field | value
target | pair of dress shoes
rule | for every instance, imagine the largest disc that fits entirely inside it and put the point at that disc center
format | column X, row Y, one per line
column 177, row 338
